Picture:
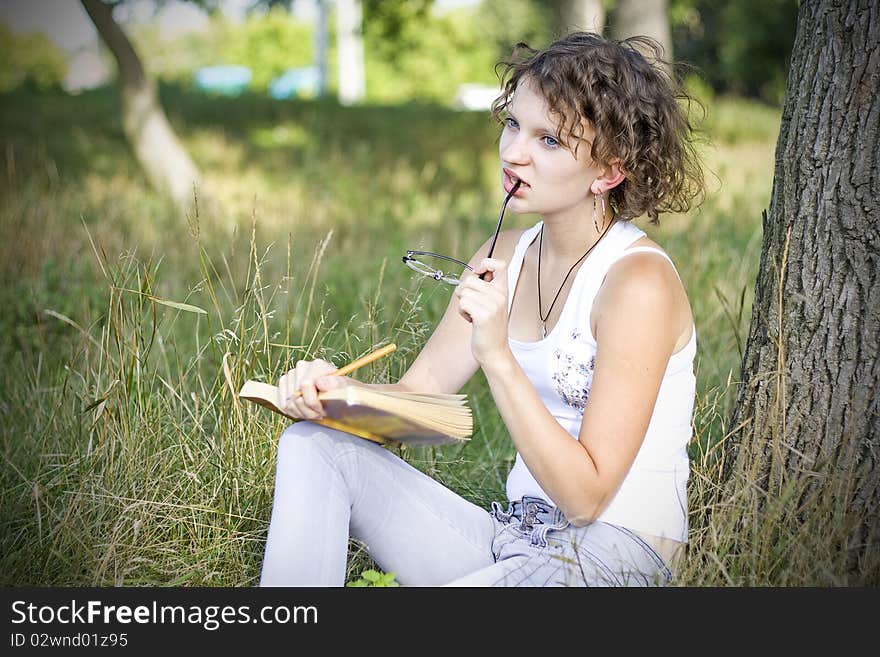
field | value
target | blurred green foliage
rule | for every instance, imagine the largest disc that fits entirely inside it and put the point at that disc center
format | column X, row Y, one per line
column 387, row 19
column 416, row 56
column 29, row 60
column 741, row 47
column 413, row 52
column 507, row 22
column 267, row 43
column 429, row 58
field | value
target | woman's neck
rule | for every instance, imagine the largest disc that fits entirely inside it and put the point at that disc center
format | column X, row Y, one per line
column 567, row 237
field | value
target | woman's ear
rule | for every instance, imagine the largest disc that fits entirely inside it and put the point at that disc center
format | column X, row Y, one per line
column 612, row 175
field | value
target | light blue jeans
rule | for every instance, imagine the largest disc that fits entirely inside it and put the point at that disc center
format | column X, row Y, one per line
column 331, row 485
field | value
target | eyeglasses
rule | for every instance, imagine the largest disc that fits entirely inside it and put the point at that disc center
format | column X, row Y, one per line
column 428, row 264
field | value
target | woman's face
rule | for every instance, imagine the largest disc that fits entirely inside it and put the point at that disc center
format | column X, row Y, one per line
column 555, row 180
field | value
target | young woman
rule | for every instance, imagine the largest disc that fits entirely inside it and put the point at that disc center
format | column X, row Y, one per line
column 584, row 332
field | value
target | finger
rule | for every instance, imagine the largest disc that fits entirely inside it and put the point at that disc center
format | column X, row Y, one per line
column 465, row 287
column 310, row 397
column 463, row 306
column 490, row 264
column 284, row 390
column 290, row 389
column 327, row 382
column 484, row 296
column 303, row 411
column 310, row 413
column 469, row 306
column 305, row 381
column 474, row 283
column 322, row 367
column 481, row 306
column 300, row 403
column 497, row 295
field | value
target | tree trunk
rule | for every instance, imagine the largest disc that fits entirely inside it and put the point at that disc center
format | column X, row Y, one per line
column 349, row 22
column 580, row 15
column 166, row 163
column 321, row 47
column 809, row 397
column 644, row 18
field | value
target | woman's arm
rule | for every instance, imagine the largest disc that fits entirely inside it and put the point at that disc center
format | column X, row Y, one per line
column 445, row 364
column 637, row 326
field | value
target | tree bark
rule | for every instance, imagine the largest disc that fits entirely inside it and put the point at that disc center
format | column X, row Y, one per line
column 809, row 393
column 580, row 15
column 165, row 162
column 644, row 18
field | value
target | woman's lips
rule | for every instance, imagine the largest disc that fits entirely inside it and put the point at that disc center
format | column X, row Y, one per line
column 510, row 179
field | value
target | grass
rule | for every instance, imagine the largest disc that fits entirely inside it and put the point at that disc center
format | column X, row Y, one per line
column 126, row 459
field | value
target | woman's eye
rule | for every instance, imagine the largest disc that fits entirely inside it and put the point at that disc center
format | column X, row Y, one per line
column 511, row 123
column 552, row 142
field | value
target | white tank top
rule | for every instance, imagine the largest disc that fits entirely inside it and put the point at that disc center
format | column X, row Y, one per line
column 652, row 498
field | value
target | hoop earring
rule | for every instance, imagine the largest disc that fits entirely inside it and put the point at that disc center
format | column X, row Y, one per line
column 601, row 196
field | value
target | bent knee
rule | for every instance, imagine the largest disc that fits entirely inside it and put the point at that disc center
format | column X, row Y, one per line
column 311, row 437
column 300, row 435
column 301, row 429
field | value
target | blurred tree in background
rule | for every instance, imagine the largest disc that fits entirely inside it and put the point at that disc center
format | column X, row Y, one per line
column 569, row 15
column 412, row 51
column 163, row 158
column 643, row 18
column 742, row 47
column 29, row 60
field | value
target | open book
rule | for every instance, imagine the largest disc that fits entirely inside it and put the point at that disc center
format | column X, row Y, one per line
column 406, row 417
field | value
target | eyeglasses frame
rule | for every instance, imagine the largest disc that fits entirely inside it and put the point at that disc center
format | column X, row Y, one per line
column 438, row 275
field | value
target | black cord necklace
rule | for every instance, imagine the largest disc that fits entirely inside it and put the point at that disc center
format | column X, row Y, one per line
column 550, row 309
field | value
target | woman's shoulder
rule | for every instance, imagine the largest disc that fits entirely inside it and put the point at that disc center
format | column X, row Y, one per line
column 650, row 282
column 645, row 264
column 646, row 241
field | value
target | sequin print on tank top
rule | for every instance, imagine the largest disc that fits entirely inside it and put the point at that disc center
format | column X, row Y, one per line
column 573, row 371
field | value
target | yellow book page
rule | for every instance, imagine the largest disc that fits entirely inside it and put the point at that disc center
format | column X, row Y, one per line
column 378, row 416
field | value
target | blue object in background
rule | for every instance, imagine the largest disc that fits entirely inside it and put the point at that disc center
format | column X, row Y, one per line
column 224, row 80
column 295, row 83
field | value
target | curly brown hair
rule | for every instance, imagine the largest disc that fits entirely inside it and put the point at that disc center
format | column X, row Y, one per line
column 632, row 104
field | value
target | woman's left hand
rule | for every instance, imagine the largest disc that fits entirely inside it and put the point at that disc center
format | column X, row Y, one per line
column 484, row 304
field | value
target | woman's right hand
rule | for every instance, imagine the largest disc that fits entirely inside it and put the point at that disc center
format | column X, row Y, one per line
column 311, row 377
